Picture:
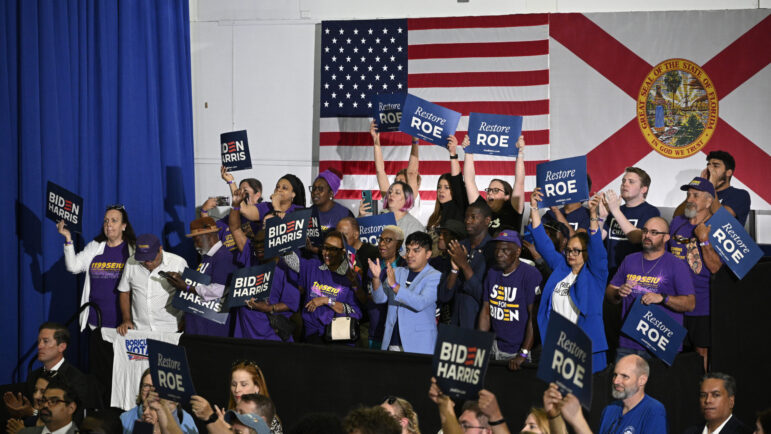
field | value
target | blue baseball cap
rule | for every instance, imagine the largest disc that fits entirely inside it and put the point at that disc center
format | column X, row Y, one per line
column 700, row 184
column 251, row 420
column 510, row 236
column 147, row 249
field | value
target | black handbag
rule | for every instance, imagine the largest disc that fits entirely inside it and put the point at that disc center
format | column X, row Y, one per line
column 342, row 329
column 283, row 326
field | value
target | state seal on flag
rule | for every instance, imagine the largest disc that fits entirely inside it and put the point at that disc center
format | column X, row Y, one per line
column 677, row 108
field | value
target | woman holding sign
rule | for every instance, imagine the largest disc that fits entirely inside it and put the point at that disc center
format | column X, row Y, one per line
column 507, row 204
column 287, row 197
column 329, row 287
column 451, row 200
column 576, row 287
column 103, row 259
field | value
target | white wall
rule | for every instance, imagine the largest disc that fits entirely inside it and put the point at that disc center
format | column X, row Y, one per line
column 254, row 66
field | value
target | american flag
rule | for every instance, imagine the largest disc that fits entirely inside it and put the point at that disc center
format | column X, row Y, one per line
column 495, row 64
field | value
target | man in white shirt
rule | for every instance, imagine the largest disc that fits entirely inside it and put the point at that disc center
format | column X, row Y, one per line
column 59, row 402
column 716, row 399
column 145, row 295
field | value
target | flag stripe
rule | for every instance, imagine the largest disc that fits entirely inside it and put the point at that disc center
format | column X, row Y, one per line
column 478, row 64
column 426, row 167
column 477, row 35
column 497, row 94
column 356, row 125
column 509, row 78
column 427, row 151
column 481, row 21
column 540, row 137
column 486, row 49
column 521, row 108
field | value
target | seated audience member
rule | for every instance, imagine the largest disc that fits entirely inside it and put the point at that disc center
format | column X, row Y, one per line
column 717, row 397
column 144, row 295
column 507, row 204
column 260, row 405
column 482, row 416
column 245, row 378
column 401, row 410
column 128, row 418
column 60, row 404
column 410, row 293
column 720, row 171
column 469, row 259
column 24, row 412
column 216, row 262
column 389, row 244
column 576, row 286
column 287, row 197
column 408, row 175
column 398, row 200
column 158, row 413
column 763, row 422
column 451, row 200
column 251, row 191
column 330, row 287
column 323, row 192
column 52, row 341
column 254, row 321
column 508, row 307
column 689, row 242
column 654, row 275
column 246, row 423
column 370, row 420
column 349, row 227
column 102, row 261
column 621, row 230
column 573, row 215
column 633, row 410
column 537, row 422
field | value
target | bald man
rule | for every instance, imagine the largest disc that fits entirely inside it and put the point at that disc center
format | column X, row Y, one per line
column 656, row 276
column 633, row 411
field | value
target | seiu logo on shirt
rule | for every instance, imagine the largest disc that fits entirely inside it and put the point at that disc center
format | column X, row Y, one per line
column 136, row 349
column 501, row 306
column 322, row 290
column 203, row 266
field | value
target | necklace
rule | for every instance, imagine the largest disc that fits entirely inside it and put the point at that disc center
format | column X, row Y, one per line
column 642, row 265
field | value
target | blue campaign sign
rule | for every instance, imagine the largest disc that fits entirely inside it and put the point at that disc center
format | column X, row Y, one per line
column 562, row 181
column 428, row 121
column 460, row 360
column 370, row 227
column 566, row 359
column 250, row 283
column 387, row 109
column 191, row 302
column 284, row 235
column 315, row 234
column 655, row 330
column 170, row 371
column 732, row 243
column 493, row 134
column 62, row 204
column 235, row 151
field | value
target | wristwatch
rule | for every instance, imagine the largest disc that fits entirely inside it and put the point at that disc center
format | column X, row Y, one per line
column 213, row 418
column 331, row 301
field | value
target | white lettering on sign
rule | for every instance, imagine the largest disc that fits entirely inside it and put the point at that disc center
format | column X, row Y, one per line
column 568, row 369
column 731, row 246
column 390, row 117
column 170, row 380
column 560, row 188
column 427, row 127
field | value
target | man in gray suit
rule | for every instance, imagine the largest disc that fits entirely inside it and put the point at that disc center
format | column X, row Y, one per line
column 59, row 404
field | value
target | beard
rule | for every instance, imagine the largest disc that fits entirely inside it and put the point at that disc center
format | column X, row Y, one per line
column 204, row 247
column 623, row 394
column 690, row 211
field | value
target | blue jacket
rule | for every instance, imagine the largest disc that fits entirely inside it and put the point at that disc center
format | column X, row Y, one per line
column 415, row 307
column 467, row 295
column 587, row 294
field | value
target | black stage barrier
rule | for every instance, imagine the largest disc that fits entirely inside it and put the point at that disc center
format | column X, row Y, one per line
column 741, row 328
column 305, row 378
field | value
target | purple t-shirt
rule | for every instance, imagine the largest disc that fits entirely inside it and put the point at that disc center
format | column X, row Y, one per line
column 220, row 267
column 684, row 244
column 324, row 283
column 254, row 324
column 104, row 273
column 225, row 236
column 509, row 297
column 666, row 275
column 328, row 220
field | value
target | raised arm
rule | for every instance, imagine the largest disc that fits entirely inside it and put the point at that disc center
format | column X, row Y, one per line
column 469, row 174
column 382, row 178
column 234, row 221
column 412, row 167
column 452, row 146
column 633, row 234
column 518, row 195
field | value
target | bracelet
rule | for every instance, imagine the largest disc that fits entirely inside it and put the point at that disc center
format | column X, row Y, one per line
column 664, row 301
column 331, row 302
column 187, row 288
column 596, row 219
column 704, row 243
column 231, row 182
column 204, row 212
column 454, row 157
column 453, row 271
column 497, row 422
column 272, row 308
column 213, row 418
column 235, row 208
column 68, row 243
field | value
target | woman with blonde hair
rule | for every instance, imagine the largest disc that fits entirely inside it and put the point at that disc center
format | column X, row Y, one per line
column 403, row 412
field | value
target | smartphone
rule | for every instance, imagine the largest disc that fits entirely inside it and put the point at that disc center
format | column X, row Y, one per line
column 223, row 200
column 366, row 196
column 164, row 274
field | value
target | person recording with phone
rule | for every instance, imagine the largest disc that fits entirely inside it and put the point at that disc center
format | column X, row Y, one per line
column 146, row 288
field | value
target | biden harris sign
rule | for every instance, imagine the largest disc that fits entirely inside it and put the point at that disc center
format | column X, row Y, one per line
column 460, row 362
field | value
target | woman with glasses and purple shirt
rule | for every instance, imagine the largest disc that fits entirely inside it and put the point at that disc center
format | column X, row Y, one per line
column 103, row 259
column 576, row 287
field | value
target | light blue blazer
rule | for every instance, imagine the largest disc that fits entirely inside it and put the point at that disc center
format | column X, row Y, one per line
column 415, row 307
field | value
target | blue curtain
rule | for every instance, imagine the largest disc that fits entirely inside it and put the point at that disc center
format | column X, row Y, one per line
column 95, row 95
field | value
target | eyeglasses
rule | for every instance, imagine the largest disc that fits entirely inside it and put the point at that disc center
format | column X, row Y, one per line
column 574, row 251
column 385, row 240
column 117, row 206
column 147, row 386
column 313, row 188
column 467, row 427
column 653, row 232
column 52, row 401
column 332, row 249
column 493, row 190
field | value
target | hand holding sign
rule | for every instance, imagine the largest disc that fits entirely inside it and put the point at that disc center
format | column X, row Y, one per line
column 170, row 371
column 235, row 151
column 563, row 181
column 64, row 231
column 63, row 205
column 428, row 121
column 388, row 111
column 567, row 358
column 731, row 242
